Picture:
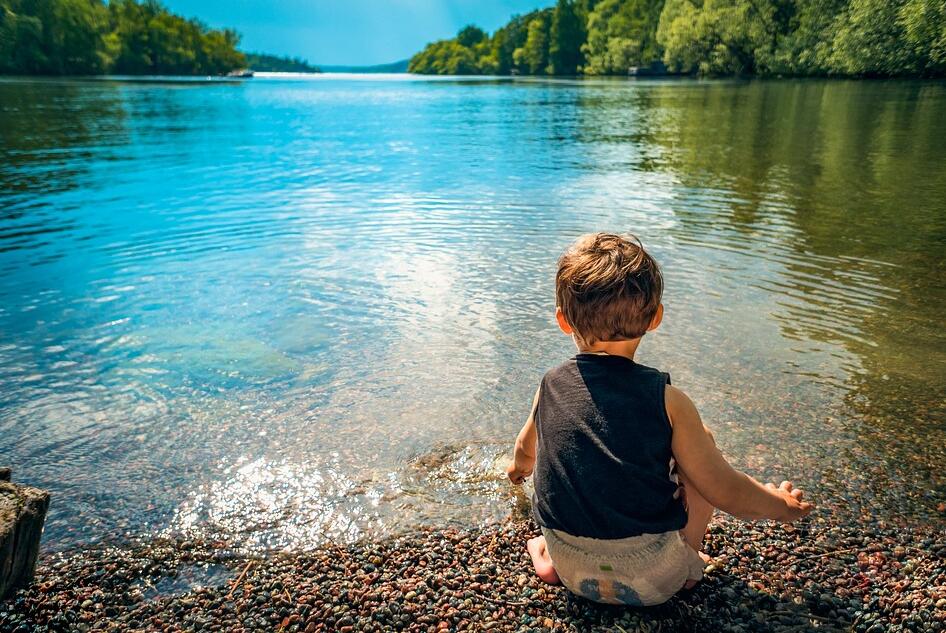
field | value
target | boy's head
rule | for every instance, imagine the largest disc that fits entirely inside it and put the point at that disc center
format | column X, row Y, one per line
column 608, row 288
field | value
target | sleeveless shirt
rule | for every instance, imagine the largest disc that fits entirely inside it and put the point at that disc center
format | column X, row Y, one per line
column 604, row 467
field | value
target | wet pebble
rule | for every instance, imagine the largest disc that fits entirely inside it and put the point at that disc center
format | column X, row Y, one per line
column 815, row 575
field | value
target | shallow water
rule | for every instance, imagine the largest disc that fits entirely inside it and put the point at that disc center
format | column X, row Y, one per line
column 282, row 311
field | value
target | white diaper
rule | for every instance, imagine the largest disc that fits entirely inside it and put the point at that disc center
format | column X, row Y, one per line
column 637, row 571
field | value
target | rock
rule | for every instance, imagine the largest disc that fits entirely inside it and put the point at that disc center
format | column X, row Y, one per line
column 22, row 514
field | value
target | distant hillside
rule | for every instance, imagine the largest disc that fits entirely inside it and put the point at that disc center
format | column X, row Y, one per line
column 276, row 64
column 394, row 67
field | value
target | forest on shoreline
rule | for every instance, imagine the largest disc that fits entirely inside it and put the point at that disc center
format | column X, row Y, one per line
column 276, row 64
column 124, row 37
column 874, row 38
column 868, row 38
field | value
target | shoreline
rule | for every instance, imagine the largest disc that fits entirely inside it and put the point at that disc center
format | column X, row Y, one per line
column 814, row 575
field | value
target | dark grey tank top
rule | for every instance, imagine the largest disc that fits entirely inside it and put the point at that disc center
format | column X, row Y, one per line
column 603, row 466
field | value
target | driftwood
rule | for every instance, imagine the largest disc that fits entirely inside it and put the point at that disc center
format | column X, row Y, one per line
column 22, row 514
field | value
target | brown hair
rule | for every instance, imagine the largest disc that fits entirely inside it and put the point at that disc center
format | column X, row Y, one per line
column 608, row 287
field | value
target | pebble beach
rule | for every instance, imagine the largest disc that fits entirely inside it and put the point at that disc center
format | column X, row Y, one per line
column 811, row 576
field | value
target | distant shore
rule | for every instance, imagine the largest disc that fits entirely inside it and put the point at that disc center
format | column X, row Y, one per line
column 814, row 576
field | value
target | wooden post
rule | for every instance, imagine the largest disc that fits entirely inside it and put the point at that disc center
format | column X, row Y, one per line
column 22, row 514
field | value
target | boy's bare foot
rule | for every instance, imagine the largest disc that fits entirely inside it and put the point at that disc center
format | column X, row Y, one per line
column 693, row 583
column 540, row 559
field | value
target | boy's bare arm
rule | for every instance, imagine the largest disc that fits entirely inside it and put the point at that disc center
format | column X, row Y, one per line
column 722, row 485
column 523, row 460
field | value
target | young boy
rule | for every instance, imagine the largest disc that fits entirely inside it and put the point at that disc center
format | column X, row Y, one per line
column 626, row 474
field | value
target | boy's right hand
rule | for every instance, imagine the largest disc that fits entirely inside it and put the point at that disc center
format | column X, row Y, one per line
column 791, row 496
column 516, row 474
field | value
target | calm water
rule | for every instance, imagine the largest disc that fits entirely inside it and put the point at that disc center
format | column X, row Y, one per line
column 290, row 310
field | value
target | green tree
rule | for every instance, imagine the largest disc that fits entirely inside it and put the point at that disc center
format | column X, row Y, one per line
column 567, row 34
column 509, row 38
column 275, row 63
column 68, row 37
column 487, row 63
column 54, row 37
column 470, row 35
column 804, row 47
column 533, row 57
column 871, row 40
column 446, row 57
column 621, row 34
column 719, row 36
column 895, row 37
column 469, row 53
column 924, row 24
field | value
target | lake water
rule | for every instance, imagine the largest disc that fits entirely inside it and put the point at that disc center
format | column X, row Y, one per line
column 283, row 311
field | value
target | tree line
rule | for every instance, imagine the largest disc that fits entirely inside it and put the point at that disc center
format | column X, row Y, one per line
column 90, row 37
column 881, row 38
column 277, row 64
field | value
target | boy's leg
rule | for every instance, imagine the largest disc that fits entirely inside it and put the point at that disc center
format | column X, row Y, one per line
column 699, row 513
column 541, row 560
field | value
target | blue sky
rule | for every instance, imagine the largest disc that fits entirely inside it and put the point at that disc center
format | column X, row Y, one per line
column 349, row 31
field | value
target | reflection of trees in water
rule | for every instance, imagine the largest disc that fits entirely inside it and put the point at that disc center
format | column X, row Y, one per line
column 50, row 131
column 55, row 133
column 841, row 184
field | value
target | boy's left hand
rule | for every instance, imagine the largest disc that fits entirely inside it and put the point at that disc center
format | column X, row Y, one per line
column 516, row 474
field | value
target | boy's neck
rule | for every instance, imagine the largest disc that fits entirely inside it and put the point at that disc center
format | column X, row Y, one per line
column 627, row 349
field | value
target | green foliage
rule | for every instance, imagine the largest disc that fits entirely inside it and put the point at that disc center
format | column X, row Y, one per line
column 446, row 57
column 924, row 27
column 867, row 34
column 69, row 37
column 533, row 56
column 890, row 37
column 621, row 34
column 721, row 37
column 151, row 40
column 276, row 64
column 565, row 39
column 509, row 38
column 46, row 37
column 804, row 47
column 470, row 35
column 714, row 37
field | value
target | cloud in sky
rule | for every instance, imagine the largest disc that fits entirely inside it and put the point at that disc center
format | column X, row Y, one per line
column 356, row 32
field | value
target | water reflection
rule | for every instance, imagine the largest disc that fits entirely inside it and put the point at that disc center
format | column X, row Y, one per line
column 836, row 181
column 50, row 131
column 279, row 312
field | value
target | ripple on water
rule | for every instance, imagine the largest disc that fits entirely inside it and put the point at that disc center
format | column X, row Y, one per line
column 290, row 311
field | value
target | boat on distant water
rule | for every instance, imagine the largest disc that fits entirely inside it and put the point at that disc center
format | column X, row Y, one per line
column 243, row 73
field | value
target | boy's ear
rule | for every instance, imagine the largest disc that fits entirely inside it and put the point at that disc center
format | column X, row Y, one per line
column 562, row 323
column 658, row 317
